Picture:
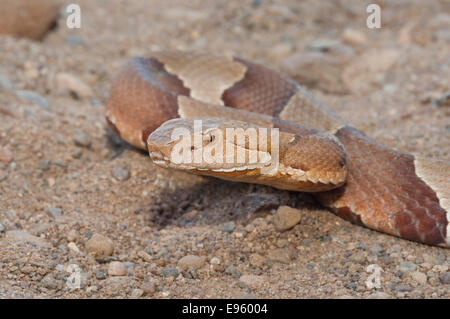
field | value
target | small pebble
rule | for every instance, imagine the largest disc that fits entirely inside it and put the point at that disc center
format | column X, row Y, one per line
column 407, row 266
column 54, row 212
column 120, row 173
column 144, row 256
column 72, row 235
column 193, row 261
column 149, row 287
column 77, row 153
column 50, row 282
column 91, row 289
column 376, row 248
column 2, row 228
column 33, row 97
column 350, row 285
column 163, row 252
column 43, row 165
column 229, row 227
column 73, row 247
column 252, row 281
column 281, row 255
column 403, row 288
column 6, row 155
column 419, row 277
column 281, row 243
column 117, row 268
column 137, row 293
column 100, row 275
column 445, row 278
column 83, row 140
column 444, row 99
column 233, row 271
column 256, row 260
column 170, row 272
column 59, row 163
column 353, row 37
column 100, row 246
column 286, row 218
column 73, row 84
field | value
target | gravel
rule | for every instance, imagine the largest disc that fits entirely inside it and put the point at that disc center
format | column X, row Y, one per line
column 445, row 278
column 82, row 139
column 73, row 84
column 137, row 293
column 407, row 266
column 54, row 212
column 252, row 281
column 121, row 173
column 229, row 227
column 170, row 272
column 419, row 277
column 100, row 275
column 117, row 268
column 193, row 261
column 285, row 218
column 6, row 155
column 281, row 255
column 100, row 246
column 21, row 236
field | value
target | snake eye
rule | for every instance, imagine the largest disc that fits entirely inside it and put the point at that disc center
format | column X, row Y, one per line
column 211, row 138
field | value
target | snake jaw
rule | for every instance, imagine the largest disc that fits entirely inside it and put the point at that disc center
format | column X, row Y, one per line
column 181, row 144
column 270, row 159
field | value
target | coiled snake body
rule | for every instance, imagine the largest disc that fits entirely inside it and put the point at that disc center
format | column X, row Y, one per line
column 351, row 174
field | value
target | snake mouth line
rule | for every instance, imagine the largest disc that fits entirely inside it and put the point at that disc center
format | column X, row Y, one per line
column 296, row 175
column 162, row 160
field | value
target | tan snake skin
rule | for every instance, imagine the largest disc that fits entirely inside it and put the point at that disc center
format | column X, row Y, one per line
column 385, row 190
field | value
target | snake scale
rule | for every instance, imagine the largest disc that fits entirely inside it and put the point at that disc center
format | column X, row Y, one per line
column 365, row 182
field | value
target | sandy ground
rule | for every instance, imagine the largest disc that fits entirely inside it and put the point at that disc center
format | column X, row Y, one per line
column 68, row 187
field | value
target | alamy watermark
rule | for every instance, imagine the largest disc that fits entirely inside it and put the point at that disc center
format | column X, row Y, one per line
column 74, row 279
column 374, row 19
column 374, row 279
column 73, row 20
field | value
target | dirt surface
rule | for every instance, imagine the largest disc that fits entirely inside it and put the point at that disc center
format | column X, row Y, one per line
column 69, row 189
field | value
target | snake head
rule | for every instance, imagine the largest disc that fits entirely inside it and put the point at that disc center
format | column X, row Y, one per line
column 240, row 151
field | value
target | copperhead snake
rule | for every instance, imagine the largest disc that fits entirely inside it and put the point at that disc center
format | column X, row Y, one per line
column 354, row 176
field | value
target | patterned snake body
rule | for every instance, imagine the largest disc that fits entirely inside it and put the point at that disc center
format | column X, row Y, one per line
column 384, row 189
